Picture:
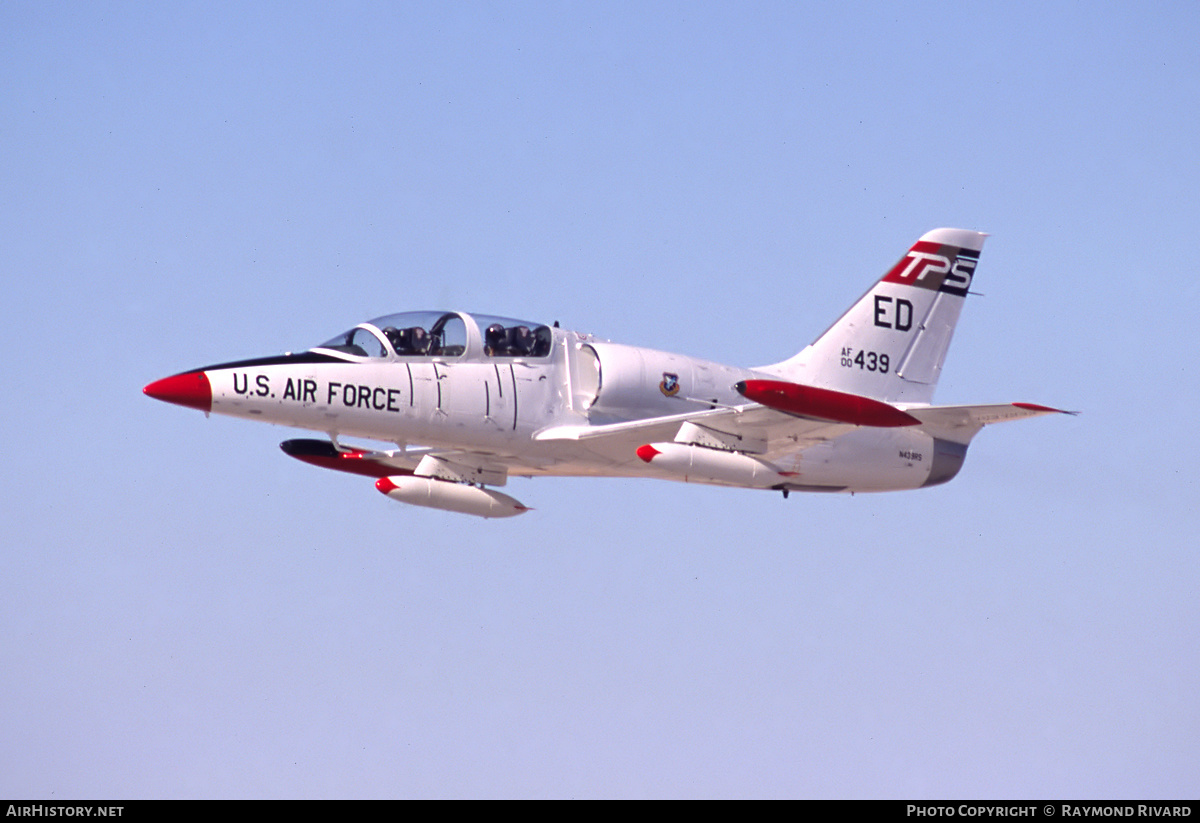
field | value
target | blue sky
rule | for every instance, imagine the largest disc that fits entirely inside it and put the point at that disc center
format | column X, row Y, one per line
column 189, row 613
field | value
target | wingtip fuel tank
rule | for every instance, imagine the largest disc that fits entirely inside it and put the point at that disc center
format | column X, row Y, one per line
column 824, row 404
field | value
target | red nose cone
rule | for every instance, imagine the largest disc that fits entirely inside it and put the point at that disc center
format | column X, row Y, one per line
column 190, row 389
column 384, row 484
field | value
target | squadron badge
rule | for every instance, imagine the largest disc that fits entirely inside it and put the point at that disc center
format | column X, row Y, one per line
column 669, row 385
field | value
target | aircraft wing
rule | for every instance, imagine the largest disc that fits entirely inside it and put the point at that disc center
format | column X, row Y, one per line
column 752, row 428
column 790, row 423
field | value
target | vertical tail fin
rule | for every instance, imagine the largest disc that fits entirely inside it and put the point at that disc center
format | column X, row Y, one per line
column 891, row 344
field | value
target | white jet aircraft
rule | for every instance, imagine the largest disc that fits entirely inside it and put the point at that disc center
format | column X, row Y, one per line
column 488, row 397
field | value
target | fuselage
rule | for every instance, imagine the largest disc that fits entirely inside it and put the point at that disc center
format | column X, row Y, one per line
column 492, row 386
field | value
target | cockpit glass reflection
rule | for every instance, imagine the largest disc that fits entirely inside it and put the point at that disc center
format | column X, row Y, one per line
column 359, row 342
column 444, row 334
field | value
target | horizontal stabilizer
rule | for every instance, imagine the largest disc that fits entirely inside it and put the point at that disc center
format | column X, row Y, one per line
column 961, row 423
column 955, row 423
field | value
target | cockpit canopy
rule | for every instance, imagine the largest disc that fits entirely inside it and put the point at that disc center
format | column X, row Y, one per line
column 443, row 335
